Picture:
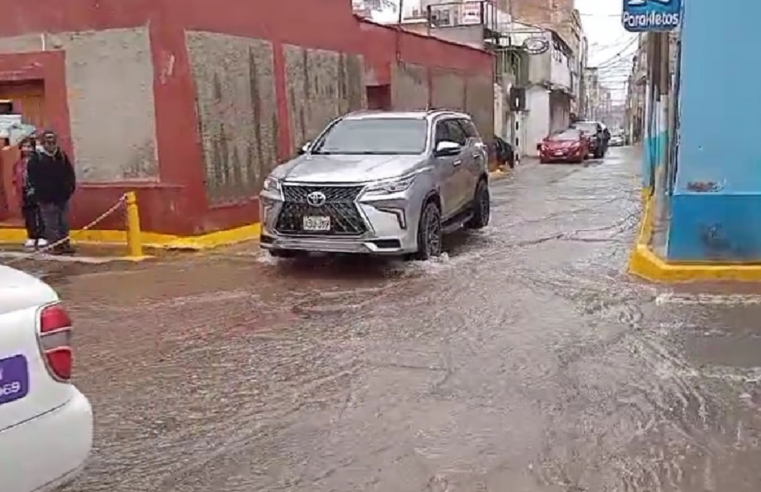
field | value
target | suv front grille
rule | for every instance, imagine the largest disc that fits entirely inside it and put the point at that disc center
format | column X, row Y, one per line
column 339, row 206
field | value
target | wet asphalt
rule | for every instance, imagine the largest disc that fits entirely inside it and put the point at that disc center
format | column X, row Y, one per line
column 526, row 360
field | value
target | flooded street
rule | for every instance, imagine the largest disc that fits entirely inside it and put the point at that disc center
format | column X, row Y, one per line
column 524, row 361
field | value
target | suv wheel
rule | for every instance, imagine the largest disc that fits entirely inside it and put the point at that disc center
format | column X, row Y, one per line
column 429, row 234
column 481, row 207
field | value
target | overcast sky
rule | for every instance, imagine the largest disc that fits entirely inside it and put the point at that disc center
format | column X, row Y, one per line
column 610, row 46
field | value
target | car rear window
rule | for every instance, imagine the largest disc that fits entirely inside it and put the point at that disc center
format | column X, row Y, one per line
column 590, row 128
column 565, row 135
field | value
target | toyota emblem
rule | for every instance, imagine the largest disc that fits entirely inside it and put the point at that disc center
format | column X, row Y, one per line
column 316, row 199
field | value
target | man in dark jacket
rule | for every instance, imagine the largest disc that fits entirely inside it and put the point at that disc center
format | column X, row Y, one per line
column 51, row 175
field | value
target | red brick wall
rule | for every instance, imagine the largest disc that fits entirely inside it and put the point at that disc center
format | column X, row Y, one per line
column 178, row 203
column 537, row 12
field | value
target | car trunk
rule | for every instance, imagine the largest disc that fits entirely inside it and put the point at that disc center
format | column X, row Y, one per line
column 26, row 387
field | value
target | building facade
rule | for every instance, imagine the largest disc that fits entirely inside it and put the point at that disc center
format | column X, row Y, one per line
column 551, row 86
column 712, row 188
column 192, row 103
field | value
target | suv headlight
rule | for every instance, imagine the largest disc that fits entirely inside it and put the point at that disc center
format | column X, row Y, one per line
column 271, row 184
column 392, row 186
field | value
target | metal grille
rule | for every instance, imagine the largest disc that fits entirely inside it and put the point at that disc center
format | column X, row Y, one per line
column 345, row 218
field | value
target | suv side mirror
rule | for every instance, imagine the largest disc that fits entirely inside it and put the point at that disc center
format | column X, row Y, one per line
column 305, row 148
column 539, row 146
column 446, row 148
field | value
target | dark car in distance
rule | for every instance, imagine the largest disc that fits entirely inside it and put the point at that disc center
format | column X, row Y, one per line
column 569, row 145
column 597, row 135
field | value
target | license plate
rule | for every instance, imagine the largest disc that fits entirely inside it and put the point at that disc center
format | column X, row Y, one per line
column 558, row 152
column 14, row 379
column 316, row 224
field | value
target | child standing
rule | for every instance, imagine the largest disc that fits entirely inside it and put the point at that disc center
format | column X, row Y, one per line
column 25, row 194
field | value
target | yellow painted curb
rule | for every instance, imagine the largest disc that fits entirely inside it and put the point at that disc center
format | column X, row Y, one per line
column 644, row 263
column 150, row 239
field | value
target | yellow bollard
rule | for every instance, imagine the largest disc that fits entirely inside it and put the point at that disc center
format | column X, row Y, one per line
column 134, row 240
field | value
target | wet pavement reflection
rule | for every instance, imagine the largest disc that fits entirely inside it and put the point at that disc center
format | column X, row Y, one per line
column 524, row 360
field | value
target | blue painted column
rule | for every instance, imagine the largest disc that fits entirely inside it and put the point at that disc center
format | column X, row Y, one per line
column 716, row 206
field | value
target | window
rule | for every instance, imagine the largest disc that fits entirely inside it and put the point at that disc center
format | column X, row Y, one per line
column 442, row 132
column 456, row 133
column 469, row 128
column 565, row 136
column 374, row 136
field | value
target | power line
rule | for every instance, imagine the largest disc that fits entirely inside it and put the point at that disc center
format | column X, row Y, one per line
column 618, row 55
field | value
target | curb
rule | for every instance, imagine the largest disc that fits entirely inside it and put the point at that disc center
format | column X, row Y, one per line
column 645, row 264
column 150, row 240
column 85, row 260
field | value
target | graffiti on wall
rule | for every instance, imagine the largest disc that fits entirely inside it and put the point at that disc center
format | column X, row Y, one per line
column 321, row 86
column 237, row 113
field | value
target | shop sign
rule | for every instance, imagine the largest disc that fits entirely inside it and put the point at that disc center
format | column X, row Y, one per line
column 536, row 45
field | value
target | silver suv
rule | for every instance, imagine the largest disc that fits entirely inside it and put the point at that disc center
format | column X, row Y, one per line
column 389, row 183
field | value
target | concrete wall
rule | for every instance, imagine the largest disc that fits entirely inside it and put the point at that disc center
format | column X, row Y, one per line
column 321, row 85
column 409, row 86
column 448, row 89
column 537, row 122
column 717, row 198
column 235, row 98
column 109, row 75
column 480, row 104
column 472, row 36
column 560, row 69
column 560, row 111
column 540, row 68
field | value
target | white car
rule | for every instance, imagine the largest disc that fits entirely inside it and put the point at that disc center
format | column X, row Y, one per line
column 46, row 424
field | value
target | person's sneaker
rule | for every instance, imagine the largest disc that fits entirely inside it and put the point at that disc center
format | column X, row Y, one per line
column 30, row 243
column 41, row 243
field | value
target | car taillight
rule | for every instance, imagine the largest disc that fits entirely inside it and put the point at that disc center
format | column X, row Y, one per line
column 55, row 341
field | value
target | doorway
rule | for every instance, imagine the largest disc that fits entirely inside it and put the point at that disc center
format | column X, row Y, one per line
column 379, row 97
column 27, row 99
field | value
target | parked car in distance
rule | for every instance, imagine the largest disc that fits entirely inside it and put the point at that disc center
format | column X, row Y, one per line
column 567, row 145
column 617, row 140
column 595, row 131
column 385, row 183
column 46, row 424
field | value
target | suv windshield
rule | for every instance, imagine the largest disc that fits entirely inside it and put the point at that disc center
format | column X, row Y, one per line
column 374, row 136
column 565, row 136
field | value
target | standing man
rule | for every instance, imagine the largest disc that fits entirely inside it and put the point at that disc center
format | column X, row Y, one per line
column 51, row 175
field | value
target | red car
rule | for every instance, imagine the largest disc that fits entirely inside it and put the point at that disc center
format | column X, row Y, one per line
column 568, row 145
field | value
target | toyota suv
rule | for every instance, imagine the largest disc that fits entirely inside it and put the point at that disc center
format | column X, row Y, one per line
column 385, row 183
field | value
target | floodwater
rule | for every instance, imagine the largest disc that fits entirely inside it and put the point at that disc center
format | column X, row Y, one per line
column 524, row 361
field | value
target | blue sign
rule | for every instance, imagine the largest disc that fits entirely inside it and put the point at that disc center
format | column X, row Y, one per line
column 14, row 379
column 651, row 15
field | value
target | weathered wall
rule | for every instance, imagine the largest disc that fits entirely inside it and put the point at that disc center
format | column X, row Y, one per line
column 236, row 111
column 109, row 75
column 321, row 86
column 537, row 123
column 447, row 89
column 409, row 86
column 479, row 103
